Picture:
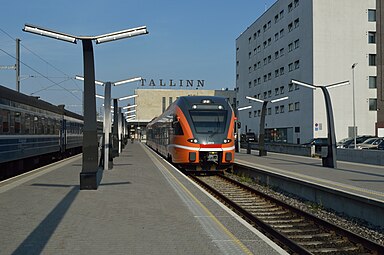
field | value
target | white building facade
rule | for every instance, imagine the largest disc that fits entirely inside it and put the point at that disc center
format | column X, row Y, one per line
column 316, row 42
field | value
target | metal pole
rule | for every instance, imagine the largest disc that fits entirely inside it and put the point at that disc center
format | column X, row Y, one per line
column 354, row 106
column 120, row 126
column 89, row 178
column 262, row 151
column 330, row 159
column 115, row 143
column 17, row 66
column 107, row 124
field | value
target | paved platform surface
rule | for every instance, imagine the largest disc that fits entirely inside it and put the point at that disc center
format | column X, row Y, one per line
column 361, row 179
column 142, row 206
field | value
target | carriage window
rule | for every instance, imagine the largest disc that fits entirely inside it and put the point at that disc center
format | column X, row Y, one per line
column 178, row 130
column 4, row 115
column 209, row 121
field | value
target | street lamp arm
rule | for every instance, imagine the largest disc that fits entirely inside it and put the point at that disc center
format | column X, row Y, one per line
column 49, row 33
column 121, row 34
column 254, row 99
column 338, row 84
column 304, row 84
column 117, row 83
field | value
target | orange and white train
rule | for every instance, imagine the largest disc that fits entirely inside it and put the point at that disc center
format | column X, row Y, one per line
column 196, row 133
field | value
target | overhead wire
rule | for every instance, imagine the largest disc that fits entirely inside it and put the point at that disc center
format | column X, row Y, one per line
column 68, row 77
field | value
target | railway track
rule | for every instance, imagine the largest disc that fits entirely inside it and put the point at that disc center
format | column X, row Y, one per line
column 295, row 230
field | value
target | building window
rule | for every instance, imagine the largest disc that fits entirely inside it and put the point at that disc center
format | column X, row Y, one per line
column 276, row 36
column 277, row 110
column 276, row 91
column 372, row 59
column 281, row 70
column 372, row 82
column 269, row 76
column 265, row 77
column 276, row 54
column 282, row 14
column 373, row 104
column 163, row 104
column 269, row 93
column 265, row 28
column 281, row 52
column 290, row 87
column 297, row 43
column 269, row 111
column 290, row 67
column 265, row 94
column 297, row 106
column 276, row 18
column 297, row 64
column 269, row 41
column 281, row 33
column 254, row 113
column 297, row 129
column 249, row 114
column 290, row 7
column 282, row 90
column 296, row 3
column 371, row 37
column 249, row 40
column 297, row 22
column 269, row 58
column 249, row 84
column 290, row 47
column 249, row 54
column 269, row 24
column 290, row 27
column 170, row 100
column 281, row 108
column 276, row 73
column 291, row 107
column 371, row 15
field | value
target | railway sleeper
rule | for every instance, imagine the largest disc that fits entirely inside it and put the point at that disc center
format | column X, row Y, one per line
column 296, row 231
column 338, row 244
column 272, row 213
column 315, row 237
column 279, row 221
column 290, row 225
column 286, row 217
column 335, row 251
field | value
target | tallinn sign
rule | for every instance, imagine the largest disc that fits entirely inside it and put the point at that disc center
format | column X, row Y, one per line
column 173, row 83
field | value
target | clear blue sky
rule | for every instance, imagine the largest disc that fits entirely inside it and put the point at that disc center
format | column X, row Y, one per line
column 187, row 40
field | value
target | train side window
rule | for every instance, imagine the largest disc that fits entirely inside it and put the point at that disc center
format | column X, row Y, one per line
column 178, row 130
column 4, row 121
column 17, row 122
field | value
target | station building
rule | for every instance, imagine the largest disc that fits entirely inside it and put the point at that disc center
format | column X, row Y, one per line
column 151, row 103
column 315, row 42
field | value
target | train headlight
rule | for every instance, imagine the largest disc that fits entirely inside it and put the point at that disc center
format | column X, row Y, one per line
column 192, row 140
column 227, row 140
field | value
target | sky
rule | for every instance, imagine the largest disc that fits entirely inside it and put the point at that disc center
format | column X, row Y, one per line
column 187, row 40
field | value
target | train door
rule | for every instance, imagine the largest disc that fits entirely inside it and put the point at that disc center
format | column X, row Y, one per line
column 63, row 135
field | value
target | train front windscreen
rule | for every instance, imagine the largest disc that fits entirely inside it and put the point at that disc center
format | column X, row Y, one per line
column 208, row 121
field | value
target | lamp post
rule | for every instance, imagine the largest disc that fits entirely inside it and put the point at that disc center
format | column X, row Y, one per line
column 107, row 124
column 354, row 106
column 262, row 151
column 330, row 159
column 118, row 121
column 237, row 149
column 90, row 175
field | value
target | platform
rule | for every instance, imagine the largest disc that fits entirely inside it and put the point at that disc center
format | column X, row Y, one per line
column 360, row 179
column 142, row 206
